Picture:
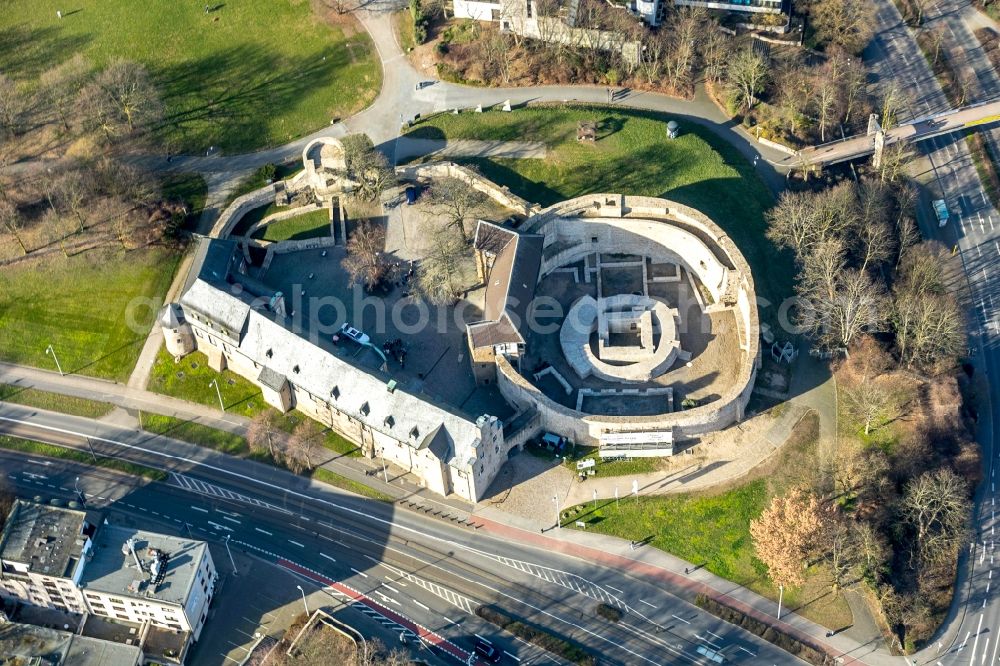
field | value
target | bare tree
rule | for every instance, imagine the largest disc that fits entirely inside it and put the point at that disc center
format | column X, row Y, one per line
column 893, row 98
column 746, row 74
column 927, row 320
column 937, row 505
column 715, row 49
column 870, row 404
column 12, row 222
column 303, row 448
column 446, row 270
column 795, row 92
column 367, row 167
column 264, row 435
column 791, row 222
column 498, row 55
column 365, row 261
column 14, row 105
column 62, row 85
column 857, row 304
column 72, row 190
column 458, row 201
column 783, row 536
column 121, row 99
column 827, row 89
column 849, row 24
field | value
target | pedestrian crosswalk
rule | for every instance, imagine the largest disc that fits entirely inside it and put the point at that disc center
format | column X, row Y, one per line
column 203, row 488
column 453, row 598
column 563, row 579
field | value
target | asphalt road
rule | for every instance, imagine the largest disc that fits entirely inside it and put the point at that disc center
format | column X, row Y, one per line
column 426, row 575
column 969, row 634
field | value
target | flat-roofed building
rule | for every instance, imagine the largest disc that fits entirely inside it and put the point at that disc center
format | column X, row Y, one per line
column 30, row 644
column 140, row 576
column 43, row 552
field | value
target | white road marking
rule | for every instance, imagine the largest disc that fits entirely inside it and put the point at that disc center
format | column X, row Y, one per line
column 512, row 656
column 220, row 527
column 386, row 599
column 483, row 639
column 449, row 620
column 612, row 587
column 716, row 635
column 643, row 601
column 44, row 463
column 752, row 654
column 360, row 573
column 427, row 608
column 681, row 619
column 975, row 644
column 263, row 531
column 198, row 508
column 390, row 588
column 327, row 557
column 232, row 520
column 296, row 543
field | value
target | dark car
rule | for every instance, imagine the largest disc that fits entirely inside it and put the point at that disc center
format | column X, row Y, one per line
column 487, row 652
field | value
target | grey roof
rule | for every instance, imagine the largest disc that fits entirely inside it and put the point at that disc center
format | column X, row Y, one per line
column 48, row 539
column 217, row 304
column 271, row 379
column 510, row 285
column 414, row 419
column 111, row 571
column 25, row 642
column 171, row 316
column 213, row 260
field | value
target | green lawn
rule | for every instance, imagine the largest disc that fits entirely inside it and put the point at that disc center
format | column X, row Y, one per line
column 196, row 433
column 632, row 155
column 713, row 530
column 95, row 309
column 190, row 379
column 62, row 453
column 249, row 73
column 308, row 225
column 54, row 401
column 350, row 485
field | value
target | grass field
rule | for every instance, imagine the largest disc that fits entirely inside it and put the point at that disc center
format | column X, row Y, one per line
column 55, row 402
column 196, row 433
column 632, row 155
column 95, row 309
column 713, row 530
column 190, row 379
column 334, row 479
column 244, row 75
column 308, row 225
column 52, row 451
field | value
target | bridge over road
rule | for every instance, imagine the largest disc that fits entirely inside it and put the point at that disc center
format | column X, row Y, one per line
column 985, row 113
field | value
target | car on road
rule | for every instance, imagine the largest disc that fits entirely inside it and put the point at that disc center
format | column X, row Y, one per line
column 354, row 334
column 941, row 211
column 487, row 652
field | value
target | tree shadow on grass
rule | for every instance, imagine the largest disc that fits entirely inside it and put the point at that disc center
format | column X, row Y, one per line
column 27, row 51
column 227, row 100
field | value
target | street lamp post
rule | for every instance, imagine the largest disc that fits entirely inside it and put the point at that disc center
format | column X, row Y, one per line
column 230, row 553
column 50, row 350
column 781, row 594
column 555, row 504
column 303, row 598
column 385, row 474
column 215, row 383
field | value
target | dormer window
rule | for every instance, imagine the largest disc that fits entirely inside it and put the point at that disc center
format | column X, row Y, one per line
column 335, row 393
column 389, row 421
column 269, row 353
column 296, row 369
column 365, row 409
column 414, row 433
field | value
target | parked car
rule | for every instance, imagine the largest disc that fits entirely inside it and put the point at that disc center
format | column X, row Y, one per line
column 354, row 334
column 941, row 211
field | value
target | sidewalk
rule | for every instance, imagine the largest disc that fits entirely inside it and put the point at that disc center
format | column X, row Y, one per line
column 608, row 551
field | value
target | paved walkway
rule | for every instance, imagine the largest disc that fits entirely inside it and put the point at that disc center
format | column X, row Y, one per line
column 407, row 147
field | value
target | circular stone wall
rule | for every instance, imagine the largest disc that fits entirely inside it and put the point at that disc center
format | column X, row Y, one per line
column 648, row 227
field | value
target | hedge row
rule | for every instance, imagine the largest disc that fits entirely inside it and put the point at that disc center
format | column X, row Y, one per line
column 554, row 644
column 767, row 632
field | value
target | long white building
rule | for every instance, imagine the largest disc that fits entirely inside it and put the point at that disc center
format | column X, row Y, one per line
column 234, row 321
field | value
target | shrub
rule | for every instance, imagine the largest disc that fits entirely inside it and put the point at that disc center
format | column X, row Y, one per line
column 554, row 644
column 609, row 613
